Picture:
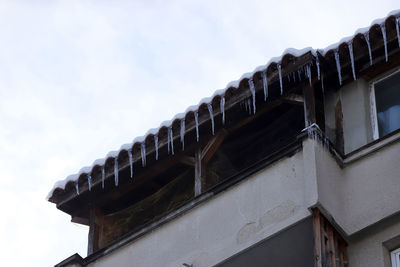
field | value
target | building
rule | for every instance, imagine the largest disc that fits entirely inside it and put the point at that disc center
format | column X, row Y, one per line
column 295, row 164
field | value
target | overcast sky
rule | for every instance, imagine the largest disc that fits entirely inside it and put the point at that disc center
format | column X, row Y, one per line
column 80, row 78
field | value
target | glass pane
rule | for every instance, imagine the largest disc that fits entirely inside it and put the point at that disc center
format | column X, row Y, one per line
column 387, row 93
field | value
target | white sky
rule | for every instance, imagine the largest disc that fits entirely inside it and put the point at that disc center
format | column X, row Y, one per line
column 81, row 78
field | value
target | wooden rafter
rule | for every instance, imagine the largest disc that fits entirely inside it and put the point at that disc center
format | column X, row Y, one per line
column 213, row 145
column 294, row 99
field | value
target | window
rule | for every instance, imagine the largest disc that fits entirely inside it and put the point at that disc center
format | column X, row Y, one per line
column 385, row 103
column 395, row 255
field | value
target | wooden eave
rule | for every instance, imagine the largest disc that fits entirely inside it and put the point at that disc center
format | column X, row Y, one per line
column 363, row 68
column 77, row 204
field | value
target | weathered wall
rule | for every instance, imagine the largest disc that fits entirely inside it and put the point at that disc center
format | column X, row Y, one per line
column 372, row 247
column 357, row 197
column 356, row 114
column 291, row 247
column 243, row 215
column 362, row 193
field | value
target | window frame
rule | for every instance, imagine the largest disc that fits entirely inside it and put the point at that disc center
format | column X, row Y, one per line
column 395, row 257
column 372, row 100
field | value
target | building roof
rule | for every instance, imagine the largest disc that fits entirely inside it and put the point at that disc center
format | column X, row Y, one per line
column 341, row 59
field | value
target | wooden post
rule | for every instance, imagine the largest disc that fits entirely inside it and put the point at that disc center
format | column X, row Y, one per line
column 201, row 157
column 95, row 223
column 198, row 172
column 330, row 247
column 309, row 105
column 317, row 238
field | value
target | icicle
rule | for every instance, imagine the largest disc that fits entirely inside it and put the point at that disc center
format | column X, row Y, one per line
column 397, row 29
column 183, row 133
column 168, row 142
column 116, row 171
column 350, row 46
column 103, row 176
column 196, row 119
column 383, row 29
column 210, row 110
column 77, row 187
column 89, row 180
column 143, row 153
column 337, row 59
column 280, row 77
column 253, row 94
column 130, row 161
column 308, row 73
column 249, row 105
column 171, row 139
column 318, row 70
column 322, row 82
column 366, row 37
column 222, row 107
column 326, row 143
column 156, row 145
column 299, row 74
column 288, row 77
column 294, row 76
column 265, row 84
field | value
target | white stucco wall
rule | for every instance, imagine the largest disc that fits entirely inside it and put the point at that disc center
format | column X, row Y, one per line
column 243, row 215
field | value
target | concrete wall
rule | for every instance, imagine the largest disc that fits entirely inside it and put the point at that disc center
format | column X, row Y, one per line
column 243, row 215
column 357, row 197
column 362, row 193
column 372, row 247
column 357, row 127
column 291, row 247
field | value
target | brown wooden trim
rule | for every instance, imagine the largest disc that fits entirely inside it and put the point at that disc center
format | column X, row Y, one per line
column 330, row 247
column 317, row 237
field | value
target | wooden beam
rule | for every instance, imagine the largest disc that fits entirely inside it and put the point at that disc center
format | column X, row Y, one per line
column 198, row 173
column 372, row 71
column 80, row 220
column 294, row 99
column 273, row 104
column 332, row 247
column 141, row 177
column 213, row 145
column 317, row 237
column 309, row 105
column 190, row 161
column 95, row 226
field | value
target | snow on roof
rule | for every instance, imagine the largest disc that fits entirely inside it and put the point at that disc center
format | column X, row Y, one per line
column 221, row 93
